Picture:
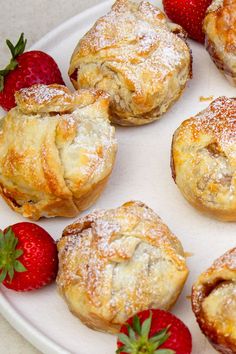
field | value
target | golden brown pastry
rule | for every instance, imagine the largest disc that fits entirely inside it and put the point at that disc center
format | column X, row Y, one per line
column 57, row 150
column 214, row 303
column 133, row 54
column 114, row 263
column 220, row 30
column 204, row 159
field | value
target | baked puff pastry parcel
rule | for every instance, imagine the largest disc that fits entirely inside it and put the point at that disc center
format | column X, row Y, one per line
column 134, row 54
column 220, row 29
column 204, row 159
column 57, row 150
column 115, row 263
column 214, row 303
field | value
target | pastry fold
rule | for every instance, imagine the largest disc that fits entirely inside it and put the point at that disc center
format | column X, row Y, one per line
column 57, row 150
column 138, row 57
column 115, row 263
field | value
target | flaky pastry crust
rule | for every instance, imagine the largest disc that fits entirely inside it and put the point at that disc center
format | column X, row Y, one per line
column 214, row 303
column 57, row 150
column 115, row 263
column 136, row 56
column 204, row 159
column 220, row 29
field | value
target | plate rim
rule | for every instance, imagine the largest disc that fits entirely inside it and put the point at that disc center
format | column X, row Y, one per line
column 30, row 333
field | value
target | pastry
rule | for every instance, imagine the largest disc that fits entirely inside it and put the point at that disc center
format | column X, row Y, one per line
column 220, row 29
column 136, row 56
column 204, row 159
column 214, row 303
column 115, row 263
column 57, row 150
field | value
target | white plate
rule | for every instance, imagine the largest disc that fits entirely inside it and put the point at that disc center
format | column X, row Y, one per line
column 142, row 172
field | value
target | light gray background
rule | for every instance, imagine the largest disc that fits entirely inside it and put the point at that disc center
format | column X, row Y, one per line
column 35, row 18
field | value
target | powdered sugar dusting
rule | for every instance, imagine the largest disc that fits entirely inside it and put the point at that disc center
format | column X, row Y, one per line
column 75, row 148
column 227, row 260
column 94, row 144
column 44, row 93
column 139, row 38
column 121, row 255
column 219, row 119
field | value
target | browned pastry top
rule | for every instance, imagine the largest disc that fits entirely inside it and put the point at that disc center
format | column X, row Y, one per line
column 133, row 53
column 218, row 120
column 204, row 159
column 57, row 149
column 116, row 262
column 219, row 26
column 214, row 303
column 223, row 14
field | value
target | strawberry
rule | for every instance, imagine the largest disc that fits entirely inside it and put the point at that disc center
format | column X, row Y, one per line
column 189, row 14
column 28, row 257
column 24, row 70
column 154, row 332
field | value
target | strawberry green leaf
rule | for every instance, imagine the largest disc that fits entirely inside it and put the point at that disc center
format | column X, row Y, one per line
column 138, row 340
column 18, row 48
column 10, row 241
column 159, row 335
column 123, row 338
column 9, row 254
column 7, row 234
column 3, row 72
column 164, row 351
column 127, row 350
column 159, row 340
column 10, row 272
column 1, row 238
column 145, row 329
column 131, row 332
column 19, row 267
column 18, row 253
column 3, row 275
column 120, row 350
column 1, row 82
column 137, row 325
column 15, row 51
column 11, row 47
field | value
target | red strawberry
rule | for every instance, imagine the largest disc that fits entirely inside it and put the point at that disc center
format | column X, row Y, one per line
column 28, row 257
column 154, row 332
column 189, row 14
column 24, row 70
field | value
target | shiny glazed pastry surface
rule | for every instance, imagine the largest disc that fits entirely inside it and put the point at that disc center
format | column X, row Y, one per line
column 136, row 56
column 57, row 150
column 115, row 263
column 204, row 159
column 220, row 30
column 214, row 303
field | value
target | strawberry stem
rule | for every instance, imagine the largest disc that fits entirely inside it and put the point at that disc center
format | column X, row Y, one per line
column 15, row 51
column 138, row 340
column 19, row 48
column 9, row 263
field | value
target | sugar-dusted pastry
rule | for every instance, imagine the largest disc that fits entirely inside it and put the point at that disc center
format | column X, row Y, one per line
column 214, row 303
column 115, row 263
column 204, row 159
column 220, row 29
column 136, row 56
column 57, row 150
